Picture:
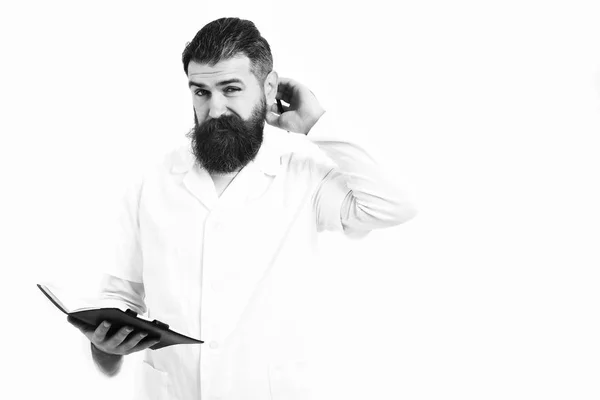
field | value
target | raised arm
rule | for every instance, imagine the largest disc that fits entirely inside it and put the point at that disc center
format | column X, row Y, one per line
column 355, row 195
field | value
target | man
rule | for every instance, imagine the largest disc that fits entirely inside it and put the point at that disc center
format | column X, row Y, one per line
column 215, row 239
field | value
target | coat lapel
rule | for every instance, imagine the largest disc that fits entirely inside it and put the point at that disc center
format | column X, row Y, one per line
column 199, row 183
column 196, row 180
column 252, row 181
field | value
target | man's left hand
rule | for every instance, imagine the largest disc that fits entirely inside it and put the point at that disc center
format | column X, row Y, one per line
column 304, row 109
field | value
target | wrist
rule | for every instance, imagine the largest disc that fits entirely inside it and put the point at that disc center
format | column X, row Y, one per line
column 314, row 120
column 103, row 354
column 108, row 364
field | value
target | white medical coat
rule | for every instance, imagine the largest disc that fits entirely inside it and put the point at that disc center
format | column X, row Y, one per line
column 232, row 270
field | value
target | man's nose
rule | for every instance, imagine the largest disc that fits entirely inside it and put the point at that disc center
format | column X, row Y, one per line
column 218, row 105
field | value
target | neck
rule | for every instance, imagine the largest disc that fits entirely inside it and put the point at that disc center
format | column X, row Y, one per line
column 226, row 173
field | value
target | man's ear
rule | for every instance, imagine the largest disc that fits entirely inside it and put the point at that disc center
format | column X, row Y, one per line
column 270, row 87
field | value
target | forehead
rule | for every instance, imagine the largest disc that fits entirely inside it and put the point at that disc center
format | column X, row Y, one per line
column 238, row 67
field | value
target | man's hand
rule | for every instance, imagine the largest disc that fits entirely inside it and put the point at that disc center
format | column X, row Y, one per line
column 123, row 342
column 304, row 109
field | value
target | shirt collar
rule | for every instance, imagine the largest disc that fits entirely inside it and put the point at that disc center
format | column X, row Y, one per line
column 267, row 159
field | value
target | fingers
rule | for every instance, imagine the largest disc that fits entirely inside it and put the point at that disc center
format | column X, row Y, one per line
column 109, row 344
column 275, row 108
column 286, row 82
column 100, row 332
column 285, row 89
column 143, row 345
column 133, row 342
column 123, row 342
column 293, row 92
column 272, row 119
column 284, row 94
column 118, row 338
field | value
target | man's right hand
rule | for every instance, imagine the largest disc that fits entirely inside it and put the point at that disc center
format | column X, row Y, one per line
column 122, row 343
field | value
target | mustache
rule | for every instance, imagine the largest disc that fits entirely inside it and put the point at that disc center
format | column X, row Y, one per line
column 227, row 137
column 232, row 122
column 223, row 125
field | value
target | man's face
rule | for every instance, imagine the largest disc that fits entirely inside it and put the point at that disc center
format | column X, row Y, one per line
column 230, row 109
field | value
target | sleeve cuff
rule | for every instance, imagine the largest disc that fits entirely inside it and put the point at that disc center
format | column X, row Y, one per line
column 322, row 129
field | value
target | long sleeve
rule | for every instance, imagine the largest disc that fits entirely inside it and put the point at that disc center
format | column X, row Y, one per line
column 127, row 262
column 356, row 195
column 122, row 284
column 122, row 293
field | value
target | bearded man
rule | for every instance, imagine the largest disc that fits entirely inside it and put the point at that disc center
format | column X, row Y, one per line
column 217, row 238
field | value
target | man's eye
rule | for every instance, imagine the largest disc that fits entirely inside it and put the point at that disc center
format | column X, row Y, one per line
column 231, row 89
column 201, row 92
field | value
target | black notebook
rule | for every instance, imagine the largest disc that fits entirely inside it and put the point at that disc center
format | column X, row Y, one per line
column 118, row 318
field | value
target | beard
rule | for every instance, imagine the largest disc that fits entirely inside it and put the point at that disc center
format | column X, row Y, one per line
column 226, row 144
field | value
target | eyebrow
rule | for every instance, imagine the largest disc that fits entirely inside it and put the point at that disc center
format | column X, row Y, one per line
column 222, row 83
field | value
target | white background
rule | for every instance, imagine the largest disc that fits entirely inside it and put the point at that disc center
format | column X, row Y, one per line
column 490, row 109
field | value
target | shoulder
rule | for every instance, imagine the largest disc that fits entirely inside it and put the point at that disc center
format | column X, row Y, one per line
column 294, row 148
column 176, row 158
column 156, row 167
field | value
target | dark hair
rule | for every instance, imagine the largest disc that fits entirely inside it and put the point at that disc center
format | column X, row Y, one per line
column 225, row 38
